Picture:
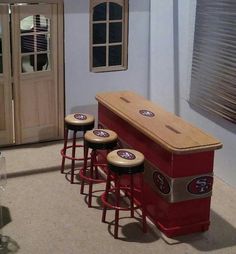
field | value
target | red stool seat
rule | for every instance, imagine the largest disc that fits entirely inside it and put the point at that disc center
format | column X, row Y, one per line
column 97, row 140
column 124, row 163
column 74, row 122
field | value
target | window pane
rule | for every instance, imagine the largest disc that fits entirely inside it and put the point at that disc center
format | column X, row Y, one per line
column 99, row 33
column 41, row 23
column 27, row 43
column 99, row 12
column 115, row 32
column 42, row 62
column 27, row 23
column 115, row 55
column 42, row 42
column 99, row 56
column 115, row 11
column 27, row 63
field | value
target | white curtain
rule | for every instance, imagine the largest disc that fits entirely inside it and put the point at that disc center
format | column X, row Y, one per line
column 213, row 82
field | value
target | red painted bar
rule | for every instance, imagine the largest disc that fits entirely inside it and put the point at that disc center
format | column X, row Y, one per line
column 177, row 184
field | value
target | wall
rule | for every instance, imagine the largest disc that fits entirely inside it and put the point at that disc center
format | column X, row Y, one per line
column 81, row 85
column 161, row 53
column 170, row 76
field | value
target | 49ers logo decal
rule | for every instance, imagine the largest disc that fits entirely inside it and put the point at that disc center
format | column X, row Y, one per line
column 161, row 182
column 79, row 116
column 147, row 113
column 126, row 155
column 101, row 133
column 200, row 185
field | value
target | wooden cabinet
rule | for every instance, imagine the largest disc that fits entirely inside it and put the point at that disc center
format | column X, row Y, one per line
column 31, row 82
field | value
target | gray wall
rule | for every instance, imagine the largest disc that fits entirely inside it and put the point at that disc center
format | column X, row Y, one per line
column 81, row 85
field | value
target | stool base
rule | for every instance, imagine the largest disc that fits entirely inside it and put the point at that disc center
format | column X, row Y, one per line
column 72, row 157
column 129, row 192
column 90, row 175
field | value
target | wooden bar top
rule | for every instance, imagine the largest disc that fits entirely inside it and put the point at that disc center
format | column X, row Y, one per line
column 165, row 128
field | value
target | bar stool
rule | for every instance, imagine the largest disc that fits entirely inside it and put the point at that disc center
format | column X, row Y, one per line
column 97, row 140
column 75, row 122
column 124, row 162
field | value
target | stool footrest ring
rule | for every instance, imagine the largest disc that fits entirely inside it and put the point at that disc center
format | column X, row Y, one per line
column 112, row 190
column 89, row 179
column 70, row 157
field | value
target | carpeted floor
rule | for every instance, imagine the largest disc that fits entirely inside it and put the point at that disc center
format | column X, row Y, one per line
column 44, row 214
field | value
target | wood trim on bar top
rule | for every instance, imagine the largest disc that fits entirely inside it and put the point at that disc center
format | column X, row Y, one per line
column 168, row 130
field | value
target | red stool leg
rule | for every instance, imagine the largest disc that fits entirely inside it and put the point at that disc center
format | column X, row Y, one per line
column 64, row 150
column 108, row 184
column 143, row 204
column 96, row 167
column 131, row 196
column 93, row 155
column 84, row 168
column 96, row 162
column 73, row 157
column 117, row 196
column 83, row 145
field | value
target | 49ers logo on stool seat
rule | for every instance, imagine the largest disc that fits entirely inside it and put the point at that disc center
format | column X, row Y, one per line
column 161, row 182
column 80, row 116
column 126, row 155
column 201, row 185
column 100, row 133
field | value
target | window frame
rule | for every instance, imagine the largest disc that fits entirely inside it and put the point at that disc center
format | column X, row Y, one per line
column 123, row 43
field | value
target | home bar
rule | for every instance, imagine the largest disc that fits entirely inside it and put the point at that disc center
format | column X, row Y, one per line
column 178, row 160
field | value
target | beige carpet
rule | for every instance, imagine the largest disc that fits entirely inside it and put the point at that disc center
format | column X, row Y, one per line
column 44, row 214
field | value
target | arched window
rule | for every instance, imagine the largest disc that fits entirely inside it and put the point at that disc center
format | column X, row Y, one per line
column 108, row 35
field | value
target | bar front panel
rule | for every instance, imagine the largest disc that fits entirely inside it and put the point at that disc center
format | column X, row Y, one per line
column 165, row 207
